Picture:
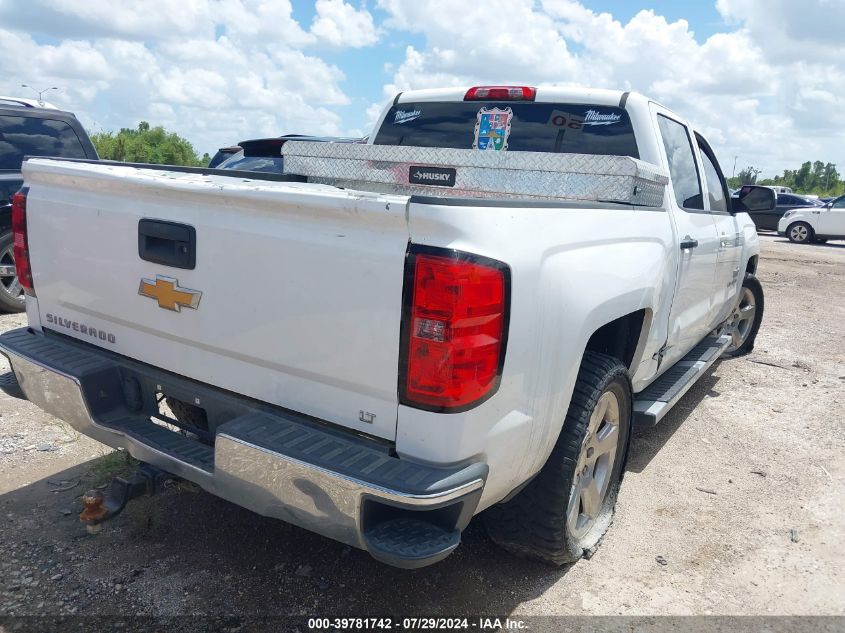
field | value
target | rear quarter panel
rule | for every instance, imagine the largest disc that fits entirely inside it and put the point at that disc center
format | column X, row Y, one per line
column 573, row 270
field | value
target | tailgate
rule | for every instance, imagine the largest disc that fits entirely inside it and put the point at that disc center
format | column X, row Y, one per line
column 301, row 285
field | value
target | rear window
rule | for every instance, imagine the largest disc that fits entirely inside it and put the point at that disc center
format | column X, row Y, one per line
column 31, row 136
column 516, row 126
column 264, row 164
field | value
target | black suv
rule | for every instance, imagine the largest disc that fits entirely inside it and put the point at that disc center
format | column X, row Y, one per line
column 26, row 130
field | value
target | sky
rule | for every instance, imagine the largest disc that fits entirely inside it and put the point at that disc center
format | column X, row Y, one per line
column 763, row 80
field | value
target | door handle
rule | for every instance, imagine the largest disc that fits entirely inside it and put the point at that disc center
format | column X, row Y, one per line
column 688, row 242
column 168, row 243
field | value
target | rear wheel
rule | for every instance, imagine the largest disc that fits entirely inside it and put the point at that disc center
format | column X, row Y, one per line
column 745, row 319
column 565, row 510
column 800, row 233
column 11, row 293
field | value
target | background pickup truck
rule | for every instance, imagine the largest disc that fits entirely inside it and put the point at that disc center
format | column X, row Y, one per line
column 466, row 314
column 27, row 129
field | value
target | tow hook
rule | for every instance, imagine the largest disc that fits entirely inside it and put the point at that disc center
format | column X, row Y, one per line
column 146, row 480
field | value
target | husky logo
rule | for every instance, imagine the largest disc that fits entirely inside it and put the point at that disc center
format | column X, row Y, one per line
column 437, row 176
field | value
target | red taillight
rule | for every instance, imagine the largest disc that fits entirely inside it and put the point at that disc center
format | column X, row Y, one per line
column 455, row 331
column 21, row 243
column 501, row 93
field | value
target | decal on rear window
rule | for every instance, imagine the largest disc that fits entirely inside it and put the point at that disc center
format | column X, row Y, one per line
column 492, row 129
column 403, row 116
column 594, row 117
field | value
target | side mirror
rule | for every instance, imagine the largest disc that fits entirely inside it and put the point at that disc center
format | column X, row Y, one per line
column 753, row 198
column 828, row 205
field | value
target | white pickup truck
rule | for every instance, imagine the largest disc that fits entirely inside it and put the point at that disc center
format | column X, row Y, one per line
column 465, row 315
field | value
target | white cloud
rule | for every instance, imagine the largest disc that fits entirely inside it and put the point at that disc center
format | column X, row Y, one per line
column 151, row 19
column 215, row 71
column 498, row 41
column 789, row 30
column 340, row 24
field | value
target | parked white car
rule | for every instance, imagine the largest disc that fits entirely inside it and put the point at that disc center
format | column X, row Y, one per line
column 815, row 224
column 467, row 314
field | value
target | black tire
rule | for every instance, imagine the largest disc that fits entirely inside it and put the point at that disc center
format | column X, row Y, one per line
column 10, row 299
column 534, row 523
column 800, row 233
column 9, row 385
column 188, row 413
column 752, row 284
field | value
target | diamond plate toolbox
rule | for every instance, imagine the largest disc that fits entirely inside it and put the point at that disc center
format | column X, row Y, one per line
column 474, row 173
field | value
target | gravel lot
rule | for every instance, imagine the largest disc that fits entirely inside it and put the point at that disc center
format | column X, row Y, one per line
column 739, row 493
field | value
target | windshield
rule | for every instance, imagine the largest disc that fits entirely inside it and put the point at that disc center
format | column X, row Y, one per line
column 517, row 126
column 265, row 164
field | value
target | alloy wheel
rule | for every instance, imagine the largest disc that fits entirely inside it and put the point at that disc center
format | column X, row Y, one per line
column 799, row 233
column 8, row 276
column 742, row 319
column 594, row 469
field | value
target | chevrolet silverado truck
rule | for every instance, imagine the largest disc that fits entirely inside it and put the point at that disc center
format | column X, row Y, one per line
column 464, row 316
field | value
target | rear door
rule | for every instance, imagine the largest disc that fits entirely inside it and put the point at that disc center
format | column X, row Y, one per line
column 698, row 243
column 727, row 274
column 294, row 297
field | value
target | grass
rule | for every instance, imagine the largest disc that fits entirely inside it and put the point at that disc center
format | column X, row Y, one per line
column 111, row 465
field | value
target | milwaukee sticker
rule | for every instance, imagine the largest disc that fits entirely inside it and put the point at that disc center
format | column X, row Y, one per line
column 592, row 117
column 436, row 176
column 403, row 116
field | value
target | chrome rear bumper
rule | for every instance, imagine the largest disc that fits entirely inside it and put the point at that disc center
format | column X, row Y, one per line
column 276, row 463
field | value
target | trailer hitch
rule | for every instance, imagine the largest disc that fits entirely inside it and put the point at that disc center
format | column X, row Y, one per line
column 146, row 480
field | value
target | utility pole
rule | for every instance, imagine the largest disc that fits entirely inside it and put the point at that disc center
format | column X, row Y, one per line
column 827, row 178
column 40, row 93
column 733, row 174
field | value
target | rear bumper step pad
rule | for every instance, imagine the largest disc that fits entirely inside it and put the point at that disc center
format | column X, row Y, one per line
column 274, row 462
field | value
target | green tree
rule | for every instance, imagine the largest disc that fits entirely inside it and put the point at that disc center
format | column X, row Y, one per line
column 816, row 177
column 147, row 145
column 747, row 176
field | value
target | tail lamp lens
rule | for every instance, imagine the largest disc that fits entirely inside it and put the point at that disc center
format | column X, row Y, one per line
column 455, row 346
column 20, row 248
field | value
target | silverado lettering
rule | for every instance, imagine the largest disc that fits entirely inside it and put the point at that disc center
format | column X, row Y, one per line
column 85, row 330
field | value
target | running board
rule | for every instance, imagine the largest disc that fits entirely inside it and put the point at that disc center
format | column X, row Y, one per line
column 652, row 404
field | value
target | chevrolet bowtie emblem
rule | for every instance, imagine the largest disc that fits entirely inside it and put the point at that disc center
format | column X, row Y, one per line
column 169, row 294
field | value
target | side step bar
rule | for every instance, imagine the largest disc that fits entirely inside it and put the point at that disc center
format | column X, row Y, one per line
column 652, row 404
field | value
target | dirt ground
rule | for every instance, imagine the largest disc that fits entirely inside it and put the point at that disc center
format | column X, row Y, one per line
column 738, row 493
